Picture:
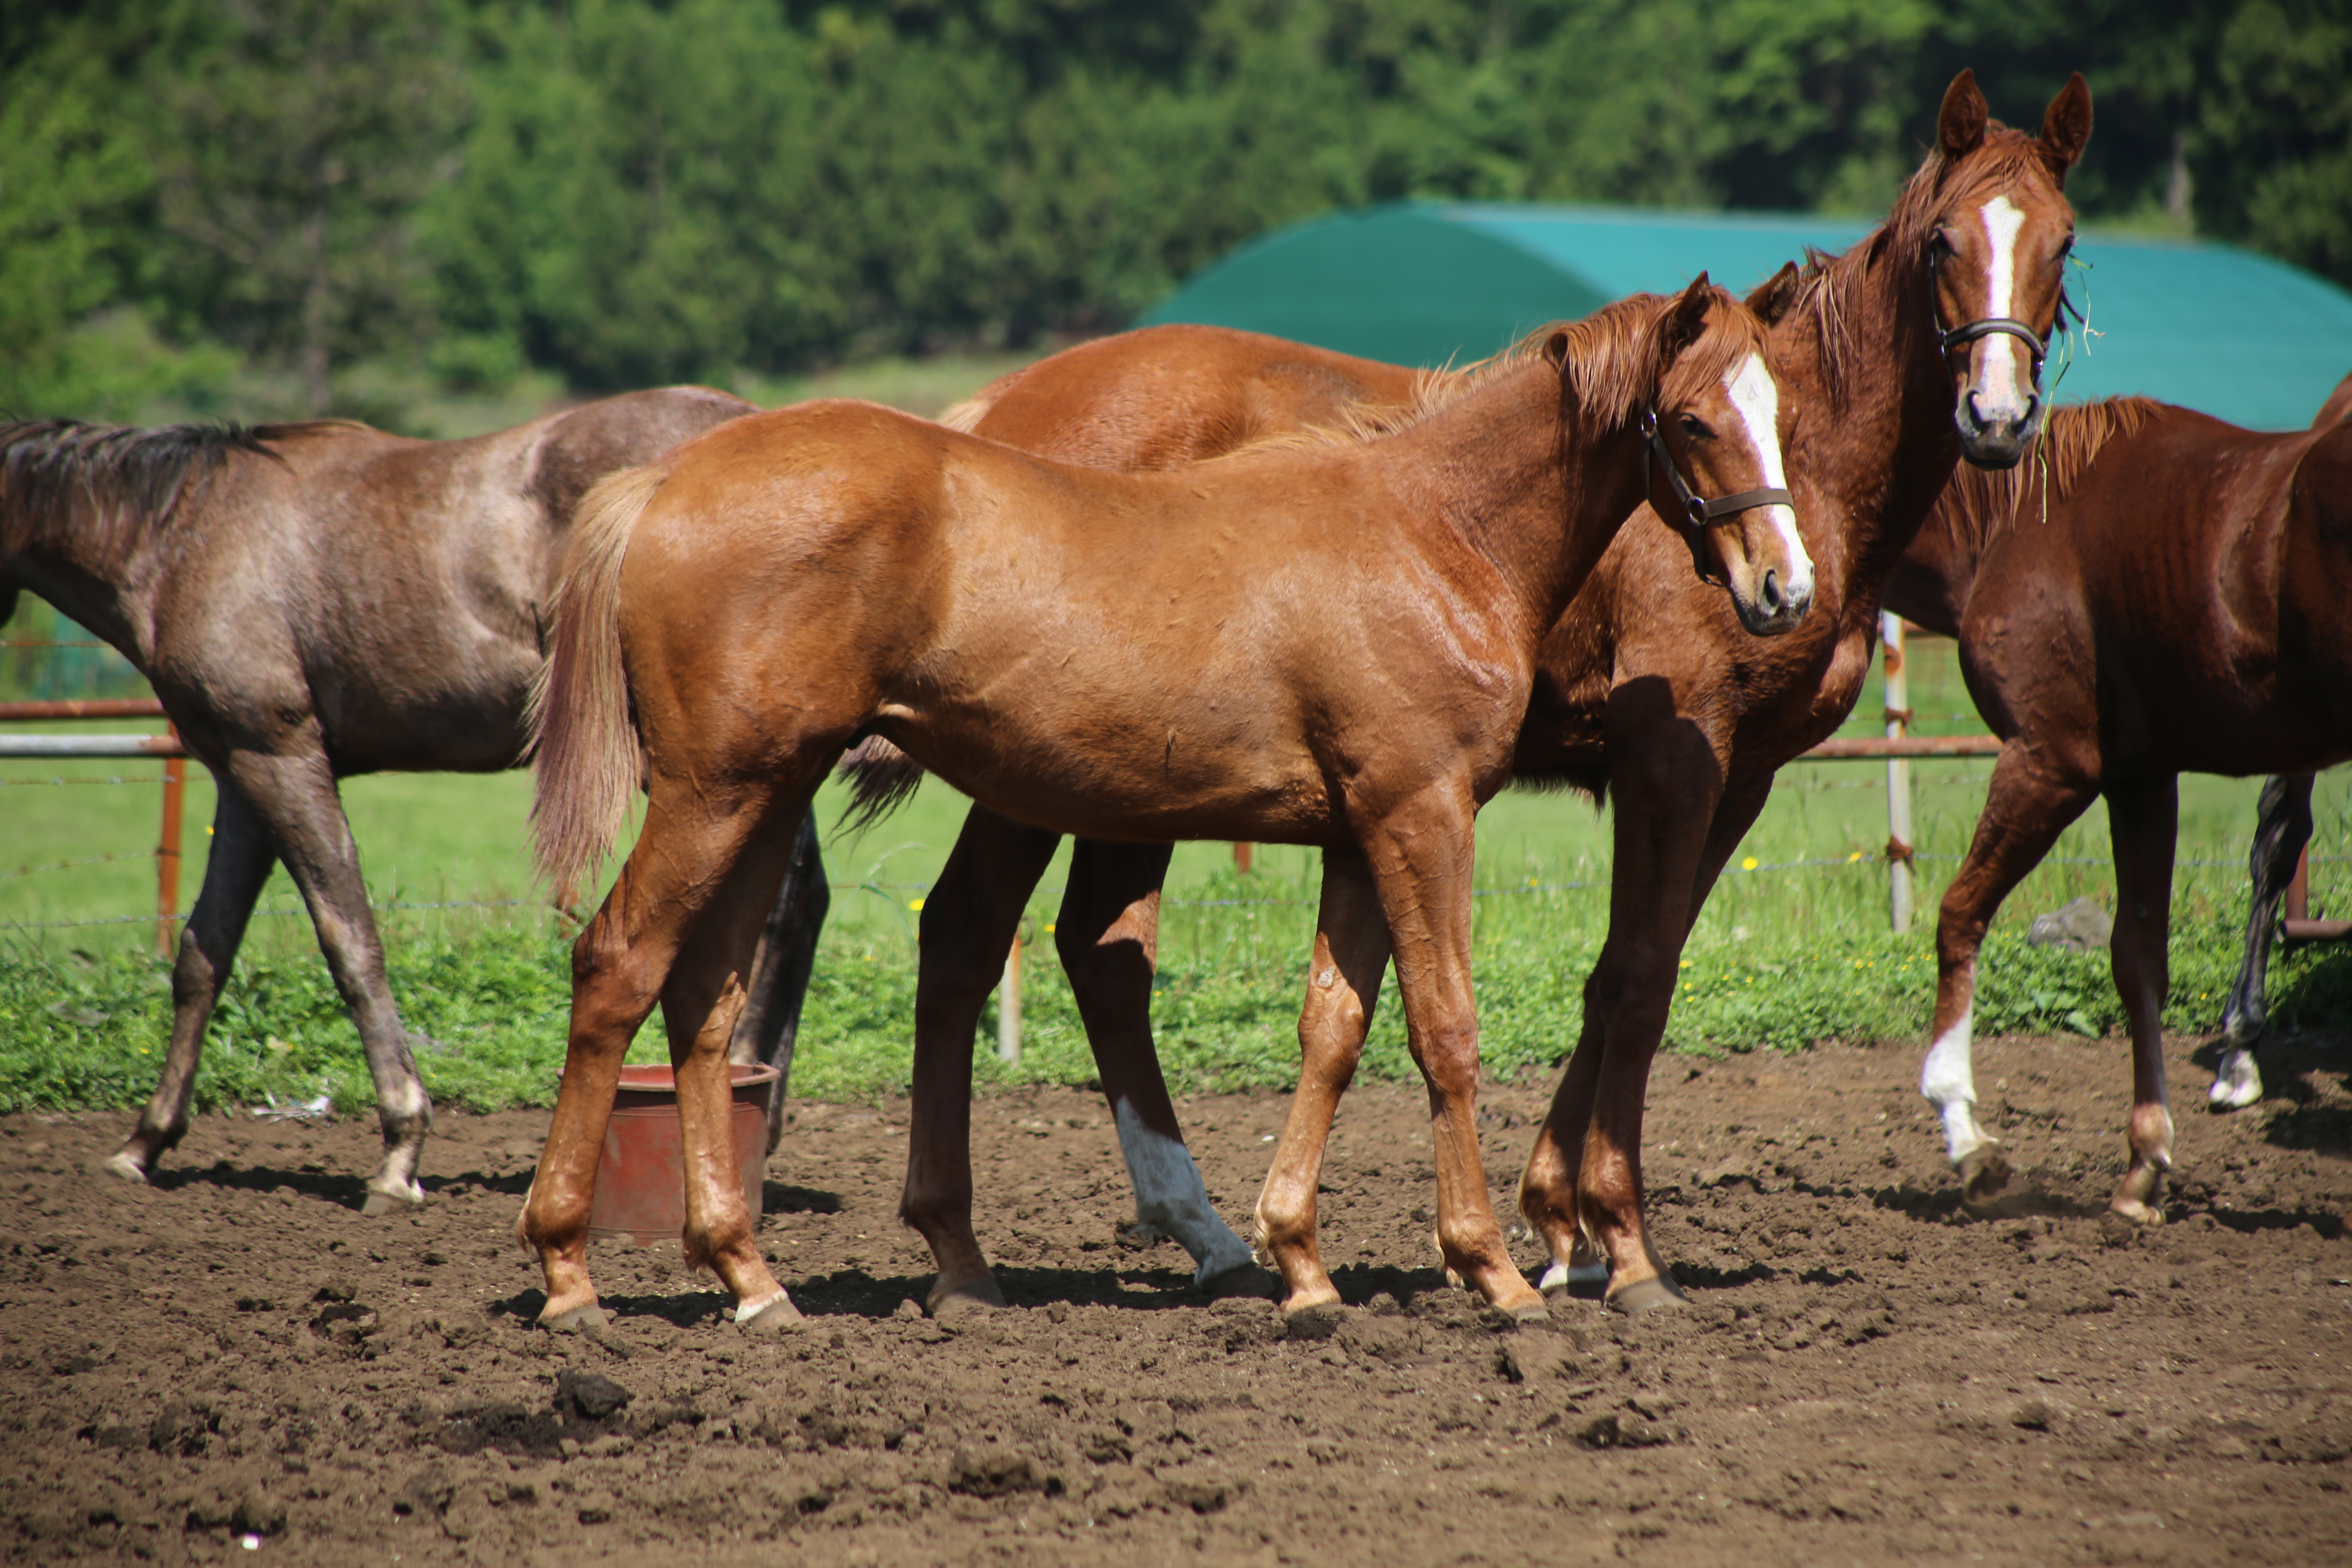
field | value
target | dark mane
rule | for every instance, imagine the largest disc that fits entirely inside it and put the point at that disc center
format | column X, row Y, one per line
column 1979, row 503
column 1829, row 285
column 132, row 478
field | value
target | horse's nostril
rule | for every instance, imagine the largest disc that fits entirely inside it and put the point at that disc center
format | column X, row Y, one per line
column 1772, row 590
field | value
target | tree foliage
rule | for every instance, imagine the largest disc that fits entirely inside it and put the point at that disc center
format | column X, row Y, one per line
column 627, row 191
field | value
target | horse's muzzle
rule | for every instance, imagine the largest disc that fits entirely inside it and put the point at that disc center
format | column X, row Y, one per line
column 1996, row 442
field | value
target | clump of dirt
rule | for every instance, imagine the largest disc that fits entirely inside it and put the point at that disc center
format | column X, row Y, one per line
column 1868, row 1371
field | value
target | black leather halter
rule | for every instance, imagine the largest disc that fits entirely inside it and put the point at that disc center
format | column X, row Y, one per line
column 1966, row 332
column 1696, row 514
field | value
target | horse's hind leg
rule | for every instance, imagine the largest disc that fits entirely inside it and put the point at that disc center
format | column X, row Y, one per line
column 702, row 999
column 295, row 795
column 1107, row 936
column 685, row 861
column 2027, row 805
column 2284, row 827
column 2145, row 820
column 1352, row 951
column 970, row 918
column 234, row 871
column 770, row 1025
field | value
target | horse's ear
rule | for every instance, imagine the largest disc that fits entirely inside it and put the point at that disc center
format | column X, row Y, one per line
column 1686, row 320
column 1770, row 300
column 1960, row 125
column 1555, row 350
column 2066, row 126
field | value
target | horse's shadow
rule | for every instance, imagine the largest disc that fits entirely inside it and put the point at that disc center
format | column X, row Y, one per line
column 343, row 1191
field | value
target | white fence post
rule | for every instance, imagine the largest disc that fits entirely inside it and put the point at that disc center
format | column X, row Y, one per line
column 1898, row 777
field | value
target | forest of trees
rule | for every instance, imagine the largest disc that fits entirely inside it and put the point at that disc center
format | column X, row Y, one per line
column 620, row 192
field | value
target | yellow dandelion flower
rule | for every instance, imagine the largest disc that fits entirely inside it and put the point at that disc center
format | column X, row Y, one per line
column 1748, row 863
column 916, row 904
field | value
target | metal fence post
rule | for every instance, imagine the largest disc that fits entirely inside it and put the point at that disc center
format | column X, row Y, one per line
column 1898, row 777
column 167, row 852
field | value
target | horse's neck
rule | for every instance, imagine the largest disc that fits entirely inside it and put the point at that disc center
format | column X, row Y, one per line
column 1891, row 445
column 98, row 582
column 1535, row 500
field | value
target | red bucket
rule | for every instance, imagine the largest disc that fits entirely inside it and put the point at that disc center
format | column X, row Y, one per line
column 641, row 1176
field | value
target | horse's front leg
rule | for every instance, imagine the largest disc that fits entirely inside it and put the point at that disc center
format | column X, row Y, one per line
column 1421, row 857
column 294, row 794
column 970, row 918
column 1107, row 937
column 1343, row 986
column 2280, row 831
column 769, row 1026
column 234, row 871
column 2144, row 822
column 2030, row 801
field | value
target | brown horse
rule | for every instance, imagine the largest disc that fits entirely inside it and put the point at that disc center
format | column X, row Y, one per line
column 1647, row 689
column 2158, row 592
column 311, row 601
column 1151, row 399
column 1325, row 643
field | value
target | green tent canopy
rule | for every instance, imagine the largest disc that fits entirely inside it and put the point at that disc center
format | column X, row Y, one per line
column 2240, row 336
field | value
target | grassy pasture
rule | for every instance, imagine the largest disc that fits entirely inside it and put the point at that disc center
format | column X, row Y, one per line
column 1793, row 949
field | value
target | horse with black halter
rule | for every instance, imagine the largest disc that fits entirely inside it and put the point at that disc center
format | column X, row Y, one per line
column 1651, row 687
column 1322, row 642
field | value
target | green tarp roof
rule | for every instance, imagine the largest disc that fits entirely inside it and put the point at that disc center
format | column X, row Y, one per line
column 2251, row 340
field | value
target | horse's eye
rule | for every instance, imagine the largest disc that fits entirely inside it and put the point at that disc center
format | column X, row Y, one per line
column 1696, row 428
column 1939, row 245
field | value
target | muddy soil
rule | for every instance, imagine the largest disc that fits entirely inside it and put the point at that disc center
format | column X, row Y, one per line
column 234, row 1364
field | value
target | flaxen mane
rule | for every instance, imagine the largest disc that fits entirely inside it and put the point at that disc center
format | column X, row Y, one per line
column 1829, row 285
column 1979, row 502
column 132, row 479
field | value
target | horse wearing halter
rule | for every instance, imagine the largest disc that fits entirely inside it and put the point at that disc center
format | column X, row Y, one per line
column 1699, row 512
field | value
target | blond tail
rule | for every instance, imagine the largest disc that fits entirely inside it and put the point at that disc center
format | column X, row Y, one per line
column 588, row 761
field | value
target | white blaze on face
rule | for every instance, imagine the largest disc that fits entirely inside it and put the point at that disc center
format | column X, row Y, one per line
column 2004, row 392
column 1170, row 1197
column 1758, row 399
column 1949, row 1080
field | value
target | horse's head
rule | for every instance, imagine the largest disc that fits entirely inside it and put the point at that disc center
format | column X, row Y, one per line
column 1997, row 261
column 1714, row 459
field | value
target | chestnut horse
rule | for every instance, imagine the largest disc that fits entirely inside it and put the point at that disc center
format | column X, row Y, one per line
column 1326, row 643
column 2282, row 829
column 2158, row 592
column 310, row 601
column 1646, row 688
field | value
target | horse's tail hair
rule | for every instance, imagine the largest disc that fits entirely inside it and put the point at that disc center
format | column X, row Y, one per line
column 589, row 762
column 880, row 778
column 969, row 412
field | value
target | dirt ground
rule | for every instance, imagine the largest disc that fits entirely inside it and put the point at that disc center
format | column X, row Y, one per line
column 235, row 1364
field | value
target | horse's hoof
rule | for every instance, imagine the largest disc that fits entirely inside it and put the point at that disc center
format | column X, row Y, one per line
column 776, row 1315
column 1584, row 1281
column 1647, row 1296
column 582, row 1318
column 381, row 1203
column 1245, row 1281
column 122, row 1166
column 2238, row 1085
column 1309, row 1299
column 1535, row 1311
column 970, row 1297
column 1984, row 1171
column 2138, row 1211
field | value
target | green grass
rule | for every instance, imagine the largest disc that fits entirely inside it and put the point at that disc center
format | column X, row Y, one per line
column 1793, row 951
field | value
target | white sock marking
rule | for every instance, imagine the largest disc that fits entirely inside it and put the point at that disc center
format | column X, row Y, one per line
column 1758, row 399
column 2003, row 395
column 1949, row 1080
column 1170, row 1197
